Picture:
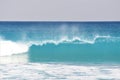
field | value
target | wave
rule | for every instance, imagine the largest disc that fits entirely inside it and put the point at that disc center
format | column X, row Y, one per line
column 9, row 47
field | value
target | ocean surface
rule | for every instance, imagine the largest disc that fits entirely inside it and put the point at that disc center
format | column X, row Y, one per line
column 59, row 50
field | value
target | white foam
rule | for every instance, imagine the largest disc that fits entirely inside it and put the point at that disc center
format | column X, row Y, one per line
column 65, row 39
column 35, row 71
column 8, row 47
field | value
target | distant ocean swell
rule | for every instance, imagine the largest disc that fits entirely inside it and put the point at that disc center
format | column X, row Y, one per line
column 76, row 41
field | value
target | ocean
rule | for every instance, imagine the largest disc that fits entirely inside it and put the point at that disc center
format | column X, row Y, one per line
column 59, row 50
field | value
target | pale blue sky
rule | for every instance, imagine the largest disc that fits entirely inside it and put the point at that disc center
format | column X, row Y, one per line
column 60, row 10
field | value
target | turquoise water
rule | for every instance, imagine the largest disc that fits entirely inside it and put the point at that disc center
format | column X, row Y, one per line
column 64, row 41
column 87, row 49
column 88, row 53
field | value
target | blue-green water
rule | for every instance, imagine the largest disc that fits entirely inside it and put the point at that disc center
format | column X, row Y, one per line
column 88, row 53
column 80, row 46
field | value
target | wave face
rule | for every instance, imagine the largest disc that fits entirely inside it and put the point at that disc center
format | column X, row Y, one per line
column 61, row 41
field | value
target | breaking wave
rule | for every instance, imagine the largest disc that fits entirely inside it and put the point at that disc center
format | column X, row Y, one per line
column 18, row 37
column 8, row 47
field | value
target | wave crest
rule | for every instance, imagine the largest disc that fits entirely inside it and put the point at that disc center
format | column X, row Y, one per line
column 65, row 39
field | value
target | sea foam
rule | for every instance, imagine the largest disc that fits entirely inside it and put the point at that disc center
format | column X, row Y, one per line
column 35, row 71
column 8, row 47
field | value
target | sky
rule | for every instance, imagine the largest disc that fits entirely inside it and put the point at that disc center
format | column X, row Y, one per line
column 59, row 10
